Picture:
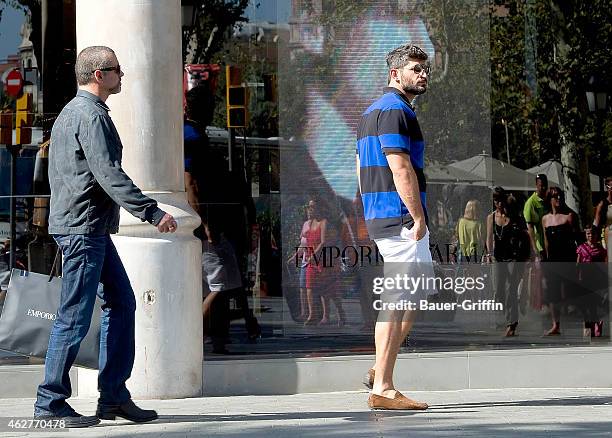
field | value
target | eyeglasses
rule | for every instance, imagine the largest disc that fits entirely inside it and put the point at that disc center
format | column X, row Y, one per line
column 419, row 68
column 116, row 69
column 556, row 196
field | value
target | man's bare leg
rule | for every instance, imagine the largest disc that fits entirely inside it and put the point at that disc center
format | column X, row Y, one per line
column 206, row 307
column 407, row 323
column 387, row 338
column 406, row 326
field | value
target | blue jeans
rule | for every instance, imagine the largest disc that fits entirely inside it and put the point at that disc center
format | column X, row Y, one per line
column 88, row 261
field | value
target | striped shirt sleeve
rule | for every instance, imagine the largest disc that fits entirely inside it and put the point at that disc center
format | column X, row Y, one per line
column 393, row 132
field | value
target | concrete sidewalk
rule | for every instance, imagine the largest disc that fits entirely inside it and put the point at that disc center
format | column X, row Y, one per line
column 487, row 413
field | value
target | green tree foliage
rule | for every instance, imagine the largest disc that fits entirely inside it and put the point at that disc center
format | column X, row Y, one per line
column 571, row 43
column 455, row 111
column 214, row 23
column 511, row 97
column 580, row 33
column 549, row 119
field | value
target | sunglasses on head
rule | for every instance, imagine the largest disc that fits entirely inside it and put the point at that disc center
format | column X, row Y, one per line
column 116, row 69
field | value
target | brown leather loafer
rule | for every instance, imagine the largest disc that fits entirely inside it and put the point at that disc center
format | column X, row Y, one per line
column 368, row 379
column 399, row 402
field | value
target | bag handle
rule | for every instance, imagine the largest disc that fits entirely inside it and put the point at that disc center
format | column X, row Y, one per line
column 54, row 268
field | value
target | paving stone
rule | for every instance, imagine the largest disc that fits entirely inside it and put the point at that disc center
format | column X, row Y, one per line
column 580, row 412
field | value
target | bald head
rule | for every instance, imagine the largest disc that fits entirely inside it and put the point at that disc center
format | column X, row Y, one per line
column 91, row 59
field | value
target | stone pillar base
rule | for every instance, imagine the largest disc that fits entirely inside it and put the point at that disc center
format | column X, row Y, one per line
column 166, row 275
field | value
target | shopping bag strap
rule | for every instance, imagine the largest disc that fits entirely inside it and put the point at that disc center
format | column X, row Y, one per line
column 54, row 268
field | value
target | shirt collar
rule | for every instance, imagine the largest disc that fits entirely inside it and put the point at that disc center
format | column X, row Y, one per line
column 91, row 96
column 399, row 93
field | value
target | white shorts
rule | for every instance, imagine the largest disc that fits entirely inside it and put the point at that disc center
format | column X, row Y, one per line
column 407, row 257
column 404, row 248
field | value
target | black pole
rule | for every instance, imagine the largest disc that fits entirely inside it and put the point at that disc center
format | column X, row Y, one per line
column 14, row 149
column 230, row 146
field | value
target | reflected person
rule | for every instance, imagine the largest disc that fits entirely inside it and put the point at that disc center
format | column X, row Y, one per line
column 507, row 233
column 560, row 228
column 603, row 213
column 591, row 258
column 470, row 235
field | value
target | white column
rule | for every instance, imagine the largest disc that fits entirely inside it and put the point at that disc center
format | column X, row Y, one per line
column 164, row 269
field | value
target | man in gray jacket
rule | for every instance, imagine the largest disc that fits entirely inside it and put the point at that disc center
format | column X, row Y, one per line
column 88, row 186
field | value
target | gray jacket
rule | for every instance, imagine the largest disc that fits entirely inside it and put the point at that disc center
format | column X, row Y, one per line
column 87, row 182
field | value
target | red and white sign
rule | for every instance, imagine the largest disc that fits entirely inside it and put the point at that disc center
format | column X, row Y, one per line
column 14, row 83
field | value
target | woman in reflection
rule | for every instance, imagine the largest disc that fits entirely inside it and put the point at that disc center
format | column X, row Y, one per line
column 469, row 233
column 560, row 230
column 312, row 240
column 603, row 213
column 592, row 279
column 301, row 262
column 508, row 241
column 315, row 233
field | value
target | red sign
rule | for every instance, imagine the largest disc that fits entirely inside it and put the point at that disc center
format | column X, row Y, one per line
column 200, row 74
column 14, row 83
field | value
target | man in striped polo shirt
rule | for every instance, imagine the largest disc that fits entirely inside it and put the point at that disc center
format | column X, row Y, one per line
column 390, row 162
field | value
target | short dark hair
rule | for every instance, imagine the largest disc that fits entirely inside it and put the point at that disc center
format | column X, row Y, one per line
column 400, row 56
column 542, row 177
column 91, row 59
column 200, row 104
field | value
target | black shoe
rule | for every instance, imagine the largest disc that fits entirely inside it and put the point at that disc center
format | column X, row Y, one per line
column 73, row 421
column 127, row 410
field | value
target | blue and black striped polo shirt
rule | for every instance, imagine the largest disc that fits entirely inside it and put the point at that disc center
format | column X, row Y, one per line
column 388, row 125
